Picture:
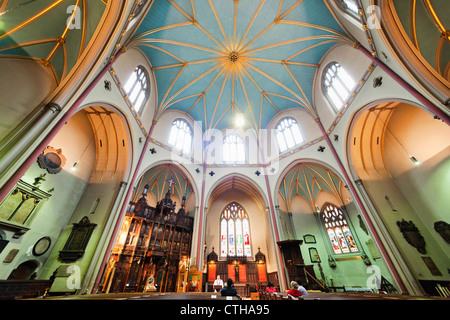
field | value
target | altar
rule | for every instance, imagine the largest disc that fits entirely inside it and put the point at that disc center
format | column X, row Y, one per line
column 247, row 274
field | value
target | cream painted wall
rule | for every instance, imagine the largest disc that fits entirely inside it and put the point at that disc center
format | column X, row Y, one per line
column 353, row 61
column 124, row 67
column 260, row 237
column 413, row 132
column 24, row 85
column 69, row 188
column 416, row 192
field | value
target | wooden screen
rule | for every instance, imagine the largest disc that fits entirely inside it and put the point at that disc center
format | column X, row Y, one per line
column 212, row 272
column 262, row 272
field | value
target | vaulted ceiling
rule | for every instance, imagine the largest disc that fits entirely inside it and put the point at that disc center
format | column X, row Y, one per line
column 309, row 180
column 55, row 32
column 427, row 24
column 217, row 59
column 158, row 180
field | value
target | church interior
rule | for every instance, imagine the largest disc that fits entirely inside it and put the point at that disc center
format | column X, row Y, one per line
column 155, row 145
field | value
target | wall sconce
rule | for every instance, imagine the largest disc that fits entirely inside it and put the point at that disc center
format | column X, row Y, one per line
column 75, row 166
column 415, row 161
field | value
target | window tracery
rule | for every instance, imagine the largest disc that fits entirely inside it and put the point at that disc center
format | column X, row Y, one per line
column 350, row 7
column 337, row 85
column 137, row 88
column 181, row 136
column 234, row 232
column 288, row 134
column 338, row 230
column 233, row 149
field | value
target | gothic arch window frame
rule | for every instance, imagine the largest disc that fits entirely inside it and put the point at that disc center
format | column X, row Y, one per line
column 233, row 216
column 288, row 127
column 238, row 153
column 339, row 232
column 178, row 142
column 350, row 8
column 336, row 80
column 137, row 12
column 138, row 95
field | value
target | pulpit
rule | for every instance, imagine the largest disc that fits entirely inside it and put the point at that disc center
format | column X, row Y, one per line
column 293, row 259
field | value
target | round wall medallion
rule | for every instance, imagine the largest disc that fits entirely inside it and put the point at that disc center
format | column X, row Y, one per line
column 52, row 160
column 41, row 246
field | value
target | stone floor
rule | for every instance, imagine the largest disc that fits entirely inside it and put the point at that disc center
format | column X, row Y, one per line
column 211, row 305
column 313, row 295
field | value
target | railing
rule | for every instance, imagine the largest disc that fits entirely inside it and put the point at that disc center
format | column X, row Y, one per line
column 21, row 289
column 316, row 280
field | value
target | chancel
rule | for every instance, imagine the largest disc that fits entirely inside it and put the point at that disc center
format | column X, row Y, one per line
column 149, row 147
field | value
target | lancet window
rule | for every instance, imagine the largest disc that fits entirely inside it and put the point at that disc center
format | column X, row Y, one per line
column 337, row 85
column 338, row 230
column 233, row 149
column 181, row 136
column 235, row 232
column 137, row 88
column 288, row 134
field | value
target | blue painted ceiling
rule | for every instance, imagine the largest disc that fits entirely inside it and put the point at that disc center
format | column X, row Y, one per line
column 214, row 59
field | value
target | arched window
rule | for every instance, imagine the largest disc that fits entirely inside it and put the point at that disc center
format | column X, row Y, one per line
column 337, row 85
column 349, row 6
column 338, row 230
column 233, row 149
column 181, row 136
column 137, row 88
column 234, row 232
column 288, row 134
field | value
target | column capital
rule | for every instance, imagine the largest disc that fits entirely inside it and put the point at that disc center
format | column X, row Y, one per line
column 53, row 107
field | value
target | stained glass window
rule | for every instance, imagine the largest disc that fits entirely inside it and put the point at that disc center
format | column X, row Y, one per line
column 338, row 230
column 337, row 85
column 288, row 134
column 137, row 88
column 181, row 136
column 234, row 232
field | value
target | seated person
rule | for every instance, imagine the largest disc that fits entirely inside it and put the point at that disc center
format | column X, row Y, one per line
column 229, row 290
column 270, row 288
column 301, row 288
column 293, row 291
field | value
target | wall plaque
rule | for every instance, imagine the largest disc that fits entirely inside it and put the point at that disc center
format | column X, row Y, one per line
column 52, row 160
column 443, row 228
column 78, row 240
column 412, row 235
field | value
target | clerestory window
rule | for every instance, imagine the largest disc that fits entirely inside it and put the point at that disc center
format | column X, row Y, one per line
column 233, row 149
column 288, row 134
column 337, row 85
column 180, row 137
column 137, row 88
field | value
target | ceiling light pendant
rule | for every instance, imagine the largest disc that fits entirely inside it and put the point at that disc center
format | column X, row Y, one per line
column 239, row 120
